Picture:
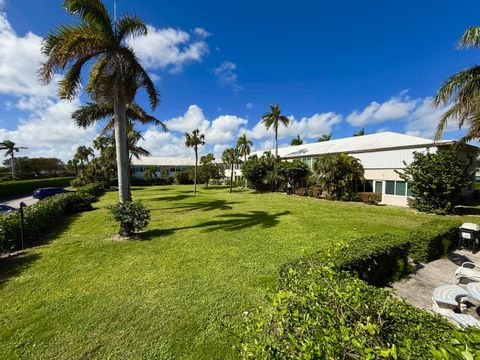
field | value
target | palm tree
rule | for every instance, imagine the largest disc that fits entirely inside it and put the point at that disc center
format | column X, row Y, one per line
column 149, row 173
column 243, row 146
column 115, row 75
column 83, row 154
column 91, row 113
column 11, row 149
column 230, row 156
column 273, row 119
column 360, row 132
column 296, row 141
column 325, row 137
column 194, row 140
column 462, row 90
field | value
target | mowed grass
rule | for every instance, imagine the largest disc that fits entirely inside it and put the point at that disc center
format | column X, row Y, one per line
column 180, row 291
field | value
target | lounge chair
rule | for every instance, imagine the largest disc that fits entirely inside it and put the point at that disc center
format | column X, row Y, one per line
column 467, row 271
column 462, row 320
column 448, row 296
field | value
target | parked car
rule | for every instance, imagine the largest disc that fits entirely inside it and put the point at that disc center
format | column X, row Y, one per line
column 4, row 208
column 42, row 193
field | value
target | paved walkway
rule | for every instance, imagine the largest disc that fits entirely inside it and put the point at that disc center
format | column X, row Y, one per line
column 417, row 289
column 15, row 201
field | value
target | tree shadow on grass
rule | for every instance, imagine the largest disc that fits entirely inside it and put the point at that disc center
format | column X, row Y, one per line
column 467, row 210
column 227, row 222
column 172, row 198
column 205, row 205
column 14, row 265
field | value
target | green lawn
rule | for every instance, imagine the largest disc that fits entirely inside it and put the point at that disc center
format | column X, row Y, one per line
column 178, row 293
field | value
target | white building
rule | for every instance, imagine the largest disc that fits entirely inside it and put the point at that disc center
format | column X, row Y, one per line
column 380, row 154
column 164, row 166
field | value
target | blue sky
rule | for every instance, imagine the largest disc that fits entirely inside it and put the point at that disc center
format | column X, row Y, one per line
column 333, row 67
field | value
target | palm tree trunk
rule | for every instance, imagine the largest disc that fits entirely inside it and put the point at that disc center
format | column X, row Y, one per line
column 195, row 173
column 13, row 166
column 276, row 142
column 244, row 177
column 231, row 179
column 121, row 149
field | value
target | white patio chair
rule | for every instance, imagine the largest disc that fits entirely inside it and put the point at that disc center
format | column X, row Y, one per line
column 467, row 270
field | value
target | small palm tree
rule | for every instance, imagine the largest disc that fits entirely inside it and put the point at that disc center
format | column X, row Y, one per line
column 230, row 156
column 115, row 73
column 325, row 137
column 462, row 90
column 194, row 140
column 149, row 173
column 296, row 141
column 11, row 149
column 360, row 132
column 273, row 119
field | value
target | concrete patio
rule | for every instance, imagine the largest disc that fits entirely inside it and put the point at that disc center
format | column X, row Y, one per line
column 418, row 288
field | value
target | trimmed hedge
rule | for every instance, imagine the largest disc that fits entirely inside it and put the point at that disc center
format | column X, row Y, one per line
column 378, row 259
column 22, row 187
column 433, row 239
column 324, row 313
column 42, row 217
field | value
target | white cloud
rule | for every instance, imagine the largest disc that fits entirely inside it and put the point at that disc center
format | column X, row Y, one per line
column 224, row 128
column 306, row 127
column 191, row 120
column 249, row 105
column 164, row 144
column 172, row 48
column 395, row 108
column 226, row 75
column 424, row 119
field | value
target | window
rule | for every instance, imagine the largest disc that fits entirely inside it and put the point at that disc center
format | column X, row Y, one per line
column 172, row 169
column 400, row 188
column 369, row 186
column 390, row 187
column 379, row 187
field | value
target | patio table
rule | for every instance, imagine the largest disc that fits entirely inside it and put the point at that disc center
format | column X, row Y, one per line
column 474, row 289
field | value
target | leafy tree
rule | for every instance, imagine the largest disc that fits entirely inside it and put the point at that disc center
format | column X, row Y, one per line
column 83, row 154
column 461, row 91
column 338, row 173
column 243, row 146
column 115, row 74
column 296, row 141
column 436, row 180
column 10, row 150
column 295, row 172
column 194, row 140
column 261, row 172
column 273, row 119
column 360, row 132
column 149, row 173
column 325, row 137
column 209, row 169
column 230, row 156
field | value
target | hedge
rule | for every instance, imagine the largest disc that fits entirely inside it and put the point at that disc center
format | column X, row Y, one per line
column 433, row 239
column 324, row 313
column 42, row 218
column 22, row 187
column 378, row 259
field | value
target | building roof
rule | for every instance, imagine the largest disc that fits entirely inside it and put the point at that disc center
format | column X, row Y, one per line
column 355, row 144
column 163, row 161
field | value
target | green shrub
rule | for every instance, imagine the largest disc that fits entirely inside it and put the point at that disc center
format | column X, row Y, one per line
column 133, row 216
column 328, row 314
column 182, row 178
column 94, row 189
column 433, row 239
column 22, row 187
column 370, row 198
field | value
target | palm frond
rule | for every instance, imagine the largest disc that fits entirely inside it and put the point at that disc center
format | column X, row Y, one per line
column 470, row 38
column 90, row 113
column 130, row 25
column 92, row 12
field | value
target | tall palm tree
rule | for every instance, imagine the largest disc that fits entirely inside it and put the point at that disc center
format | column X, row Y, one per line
column 115, row 73
column 360, row 132
column 296, row 141
column 230, row 156
column 462, row 90
column 11, row 149
column 243, row 146
column 273, row 119
column 194, row 140
column 83, row 154
column 325, row 137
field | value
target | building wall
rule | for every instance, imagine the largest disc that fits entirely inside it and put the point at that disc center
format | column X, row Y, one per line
column 160, row 171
